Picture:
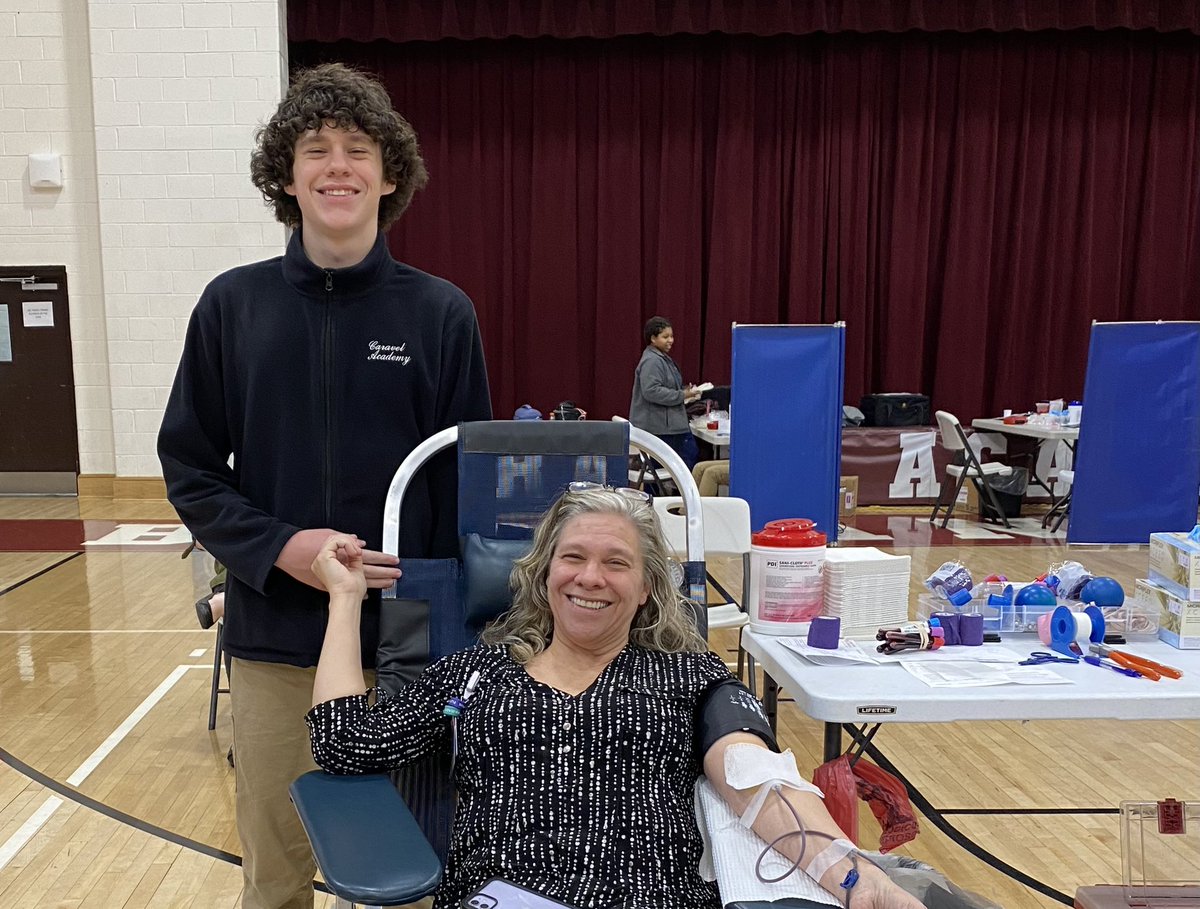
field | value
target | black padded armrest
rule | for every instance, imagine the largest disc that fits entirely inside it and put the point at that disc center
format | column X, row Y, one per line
column 366, row 842
column 487, row 564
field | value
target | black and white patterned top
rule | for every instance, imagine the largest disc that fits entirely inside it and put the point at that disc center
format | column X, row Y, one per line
column 586, row 798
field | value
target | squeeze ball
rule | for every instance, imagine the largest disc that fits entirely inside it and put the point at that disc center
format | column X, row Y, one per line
column 1102, row 592
column 1036, row 595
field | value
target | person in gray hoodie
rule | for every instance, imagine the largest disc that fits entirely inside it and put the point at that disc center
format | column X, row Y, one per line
column 659, row 397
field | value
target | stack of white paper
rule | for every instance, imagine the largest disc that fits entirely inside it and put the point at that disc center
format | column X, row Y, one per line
column 866, row 588
column 848, row 653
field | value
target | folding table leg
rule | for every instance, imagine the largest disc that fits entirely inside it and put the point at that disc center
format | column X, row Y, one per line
column 833, row 741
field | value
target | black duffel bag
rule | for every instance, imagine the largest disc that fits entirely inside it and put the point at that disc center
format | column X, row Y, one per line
column 567, row 410
column 895, row 410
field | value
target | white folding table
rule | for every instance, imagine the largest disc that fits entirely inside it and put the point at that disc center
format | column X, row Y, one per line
column 718, row 439
column 866, row 694
column 1040, row 431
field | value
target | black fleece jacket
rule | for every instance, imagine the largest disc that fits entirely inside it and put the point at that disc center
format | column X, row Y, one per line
column 319, row 382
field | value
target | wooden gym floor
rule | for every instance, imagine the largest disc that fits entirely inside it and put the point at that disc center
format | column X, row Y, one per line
column 113, row 793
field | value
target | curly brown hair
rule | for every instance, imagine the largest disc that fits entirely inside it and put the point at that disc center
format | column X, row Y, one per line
column 334, row 94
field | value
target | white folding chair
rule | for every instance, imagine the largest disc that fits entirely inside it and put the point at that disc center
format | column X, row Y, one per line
column 1061, row 508
column 642, row 469
column 726, row 532
column 966, row 466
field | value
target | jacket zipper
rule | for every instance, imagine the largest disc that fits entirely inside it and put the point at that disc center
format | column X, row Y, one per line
column 327, row 388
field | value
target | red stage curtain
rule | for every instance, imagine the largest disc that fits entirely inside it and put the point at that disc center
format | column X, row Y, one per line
column 433, row 20
column 967, row 204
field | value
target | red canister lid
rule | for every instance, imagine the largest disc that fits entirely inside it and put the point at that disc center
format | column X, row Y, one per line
column 789, row 533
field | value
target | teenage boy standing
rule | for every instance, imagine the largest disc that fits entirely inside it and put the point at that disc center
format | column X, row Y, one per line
column 318, row 371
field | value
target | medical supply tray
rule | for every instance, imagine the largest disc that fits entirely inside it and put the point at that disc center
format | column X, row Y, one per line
column 1131, row 619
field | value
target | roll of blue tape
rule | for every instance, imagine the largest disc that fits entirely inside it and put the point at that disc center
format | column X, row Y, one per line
column 1096, row 614
column 970, row 629
column 950, row 625
column 824, row 631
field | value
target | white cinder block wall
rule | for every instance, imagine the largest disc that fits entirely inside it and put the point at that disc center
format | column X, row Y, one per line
column 153, row 107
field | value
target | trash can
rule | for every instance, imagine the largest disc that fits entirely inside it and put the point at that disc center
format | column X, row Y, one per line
column 1009, row 490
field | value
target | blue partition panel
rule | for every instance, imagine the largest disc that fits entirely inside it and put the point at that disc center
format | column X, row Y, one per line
column 1137, row 467
column 786, row 422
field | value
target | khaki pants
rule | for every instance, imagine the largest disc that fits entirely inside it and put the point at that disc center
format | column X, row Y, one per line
column 270, row 749
column 710, row 476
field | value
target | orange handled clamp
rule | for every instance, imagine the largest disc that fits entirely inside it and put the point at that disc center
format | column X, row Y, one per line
column 1148, row 668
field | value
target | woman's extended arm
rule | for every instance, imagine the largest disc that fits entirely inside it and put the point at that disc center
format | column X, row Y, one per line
column 872, row 891
column 348, row 733
column 339, row 567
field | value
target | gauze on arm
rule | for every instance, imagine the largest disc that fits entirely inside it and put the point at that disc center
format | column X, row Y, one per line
column 748, row 765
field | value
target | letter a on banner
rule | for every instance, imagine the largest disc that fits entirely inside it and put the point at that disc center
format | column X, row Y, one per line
column 915, row 476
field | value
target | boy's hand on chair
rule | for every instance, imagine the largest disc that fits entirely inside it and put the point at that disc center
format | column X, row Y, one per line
column 380, row 568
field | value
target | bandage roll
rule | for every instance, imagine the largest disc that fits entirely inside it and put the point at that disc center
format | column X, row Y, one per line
column 1071, row 632
column 824, row 632
column 1043, row 626
column 950, row 626
column 970, row 629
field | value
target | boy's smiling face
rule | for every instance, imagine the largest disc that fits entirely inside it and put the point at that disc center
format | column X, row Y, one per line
column 337, row 180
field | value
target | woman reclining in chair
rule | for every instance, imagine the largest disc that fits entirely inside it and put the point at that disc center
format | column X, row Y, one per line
column 594, row 708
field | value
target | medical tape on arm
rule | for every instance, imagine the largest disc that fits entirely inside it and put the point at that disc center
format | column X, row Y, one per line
column 747, row 766
column 828, row 857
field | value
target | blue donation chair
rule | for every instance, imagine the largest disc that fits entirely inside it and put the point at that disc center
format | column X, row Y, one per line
column 380, row 840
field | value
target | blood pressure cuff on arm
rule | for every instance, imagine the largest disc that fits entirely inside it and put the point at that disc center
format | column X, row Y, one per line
column 729, row 707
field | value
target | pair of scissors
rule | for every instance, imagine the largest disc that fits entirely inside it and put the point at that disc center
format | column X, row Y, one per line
column 1038, row 657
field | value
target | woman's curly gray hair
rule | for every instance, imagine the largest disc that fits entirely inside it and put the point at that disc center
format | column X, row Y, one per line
column 665, row 623
column 333, row 94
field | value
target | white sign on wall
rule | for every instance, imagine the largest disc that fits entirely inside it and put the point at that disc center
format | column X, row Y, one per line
column 38, row 314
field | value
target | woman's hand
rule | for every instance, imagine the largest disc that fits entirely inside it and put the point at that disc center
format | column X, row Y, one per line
column 874, row 889
column 339, row 567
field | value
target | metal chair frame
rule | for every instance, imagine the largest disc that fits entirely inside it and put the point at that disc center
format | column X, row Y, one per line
column 218, row 653
column 955, row 440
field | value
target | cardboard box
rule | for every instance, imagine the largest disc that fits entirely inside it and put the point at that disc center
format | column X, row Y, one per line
column 968, row 498
column 849, row 497
column 1175, row 564
column 1178, row 619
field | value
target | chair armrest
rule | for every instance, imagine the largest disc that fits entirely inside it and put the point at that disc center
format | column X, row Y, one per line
column 365, row 840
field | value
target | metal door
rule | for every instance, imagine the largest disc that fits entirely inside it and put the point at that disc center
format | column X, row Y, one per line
column 39, row 444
